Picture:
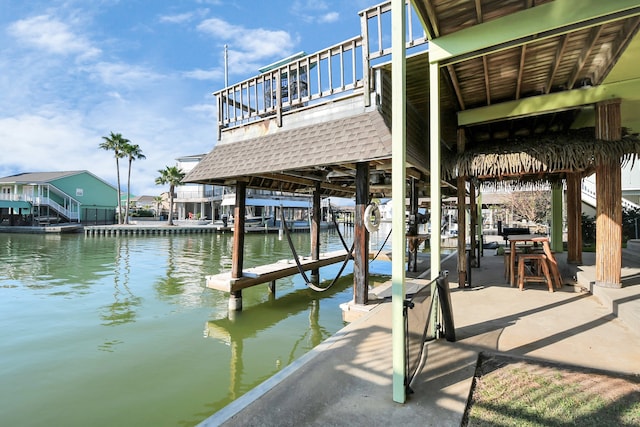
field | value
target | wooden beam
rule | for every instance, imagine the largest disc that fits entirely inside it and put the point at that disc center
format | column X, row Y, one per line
column 559, row 101
column 361, row 237
column 537, row 23
column 586, row 51
column 315, row 232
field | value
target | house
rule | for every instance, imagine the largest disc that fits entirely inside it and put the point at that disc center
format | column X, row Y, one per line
column 199, row 200
column 56, row 197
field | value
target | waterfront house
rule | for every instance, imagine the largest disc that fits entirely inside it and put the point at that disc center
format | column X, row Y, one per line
column 433, row 97
column 42, row 198
column 213, row 202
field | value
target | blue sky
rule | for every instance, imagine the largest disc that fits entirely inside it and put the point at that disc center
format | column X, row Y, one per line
column 72, row 71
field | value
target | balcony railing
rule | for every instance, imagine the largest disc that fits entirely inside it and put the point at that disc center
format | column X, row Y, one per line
column 376, row 28
column 306, row 80
column 300, row 82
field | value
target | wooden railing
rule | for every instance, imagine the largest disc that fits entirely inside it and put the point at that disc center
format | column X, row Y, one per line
column 313, row 79
column 310, row 79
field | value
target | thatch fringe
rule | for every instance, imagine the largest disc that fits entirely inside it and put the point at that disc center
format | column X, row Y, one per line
column 540, row 156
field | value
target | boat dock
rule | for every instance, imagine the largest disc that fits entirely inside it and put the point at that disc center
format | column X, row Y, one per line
column 270, row 272
column 164, row 229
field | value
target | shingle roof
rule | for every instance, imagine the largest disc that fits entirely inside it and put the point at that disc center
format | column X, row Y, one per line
column 37, row 177
column 362, row 137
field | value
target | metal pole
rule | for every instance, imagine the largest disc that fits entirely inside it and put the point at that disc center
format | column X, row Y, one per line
column 398, row 177
column 226, row 65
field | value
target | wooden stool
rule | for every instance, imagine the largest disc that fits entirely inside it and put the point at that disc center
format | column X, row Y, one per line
column 507, row 263
column 539, row 260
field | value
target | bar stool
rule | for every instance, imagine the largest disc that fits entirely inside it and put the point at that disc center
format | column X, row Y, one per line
column 537, row 261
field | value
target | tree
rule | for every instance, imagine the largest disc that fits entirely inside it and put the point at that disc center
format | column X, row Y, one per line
column 115, row 142
column 173, row 176
column 532, row 206
column 158, row 201
column 133, row 152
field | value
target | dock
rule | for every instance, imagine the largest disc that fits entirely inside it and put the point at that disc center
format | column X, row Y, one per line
column 270, row 272
column 137, row 229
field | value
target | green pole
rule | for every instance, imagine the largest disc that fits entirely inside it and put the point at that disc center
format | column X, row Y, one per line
column 398, row 179
column 556, row 218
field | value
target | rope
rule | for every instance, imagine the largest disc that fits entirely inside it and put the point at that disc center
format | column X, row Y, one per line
column 381, row 247
column 297, row 259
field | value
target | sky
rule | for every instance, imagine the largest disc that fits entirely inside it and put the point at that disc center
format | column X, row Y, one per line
column 73, row 71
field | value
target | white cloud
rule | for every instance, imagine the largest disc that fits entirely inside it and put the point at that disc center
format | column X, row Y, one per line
column 122, row 75
column 329, row 17
column 313, row 11
column 52, row 35
column 199, row 74
column 177, row 19
column 249, row 48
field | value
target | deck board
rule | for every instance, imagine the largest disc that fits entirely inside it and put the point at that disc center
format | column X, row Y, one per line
column 270, row 272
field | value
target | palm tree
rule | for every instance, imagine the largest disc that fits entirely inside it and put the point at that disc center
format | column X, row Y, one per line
column 173, row 176
column 158, row 201
column 115, row 142
column 133, row 152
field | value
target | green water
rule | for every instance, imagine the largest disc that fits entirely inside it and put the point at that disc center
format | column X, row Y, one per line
column 121, row 331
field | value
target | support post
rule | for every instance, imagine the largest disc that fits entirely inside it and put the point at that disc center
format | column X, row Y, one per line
column 398, row 176
column 412, row 229
column 609, row 200
column 474, row 224
column 361, row 236
column 462, row 218
column 556, row 218
column 237, row 255
column 315, row 232
column 574, row 218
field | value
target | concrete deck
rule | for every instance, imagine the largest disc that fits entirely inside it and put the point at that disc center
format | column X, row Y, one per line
column 347, row 379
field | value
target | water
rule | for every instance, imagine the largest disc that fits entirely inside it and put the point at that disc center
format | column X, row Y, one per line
column 122, row 331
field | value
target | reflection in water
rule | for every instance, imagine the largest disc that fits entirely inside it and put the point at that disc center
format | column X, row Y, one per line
column 122, row 309
column 250, row 324
column 126, row 313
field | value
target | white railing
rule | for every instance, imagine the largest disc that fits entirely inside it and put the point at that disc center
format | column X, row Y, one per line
column 72, row 212
column 282, row 88
column 376, row 29
column 589, row 195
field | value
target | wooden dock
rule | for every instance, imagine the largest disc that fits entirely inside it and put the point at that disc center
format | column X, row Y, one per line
column 133, row 229
column 270, row 272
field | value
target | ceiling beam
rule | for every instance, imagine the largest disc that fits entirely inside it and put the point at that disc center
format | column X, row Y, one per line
column 537, row 23
column 533, row 106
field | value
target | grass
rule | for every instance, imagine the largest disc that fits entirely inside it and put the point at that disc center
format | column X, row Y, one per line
column 509, row 392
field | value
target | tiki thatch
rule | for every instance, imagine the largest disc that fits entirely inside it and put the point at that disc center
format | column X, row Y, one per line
column 541, row 157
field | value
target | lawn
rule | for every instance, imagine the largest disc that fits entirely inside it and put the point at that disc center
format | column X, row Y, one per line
column 517, row 392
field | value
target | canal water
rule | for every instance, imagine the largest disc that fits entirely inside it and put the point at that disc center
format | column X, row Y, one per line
column 106, row 331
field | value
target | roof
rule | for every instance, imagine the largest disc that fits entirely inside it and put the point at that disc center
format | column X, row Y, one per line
column 38, row 177
column 519, row 73
column 299, row 156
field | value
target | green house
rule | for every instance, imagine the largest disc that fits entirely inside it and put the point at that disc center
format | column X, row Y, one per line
column 56, row 197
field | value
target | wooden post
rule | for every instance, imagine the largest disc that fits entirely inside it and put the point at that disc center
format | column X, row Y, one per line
column 609, row 200
column 462, row 218
column 574, row 218
column 315, row 233
column 361, row 236
column 412, row 229
column 237, row 256
column 474, row 224
column 556, row 218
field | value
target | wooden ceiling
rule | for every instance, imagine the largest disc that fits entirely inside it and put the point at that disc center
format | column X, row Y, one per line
column 555, row 59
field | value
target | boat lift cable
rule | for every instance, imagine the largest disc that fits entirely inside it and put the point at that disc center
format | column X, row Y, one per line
column 381, row 247
column 335, row 223
column 297, row 259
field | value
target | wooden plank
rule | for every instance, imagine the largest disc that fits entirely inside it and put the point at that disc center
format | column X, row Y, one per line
column 270, row 272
